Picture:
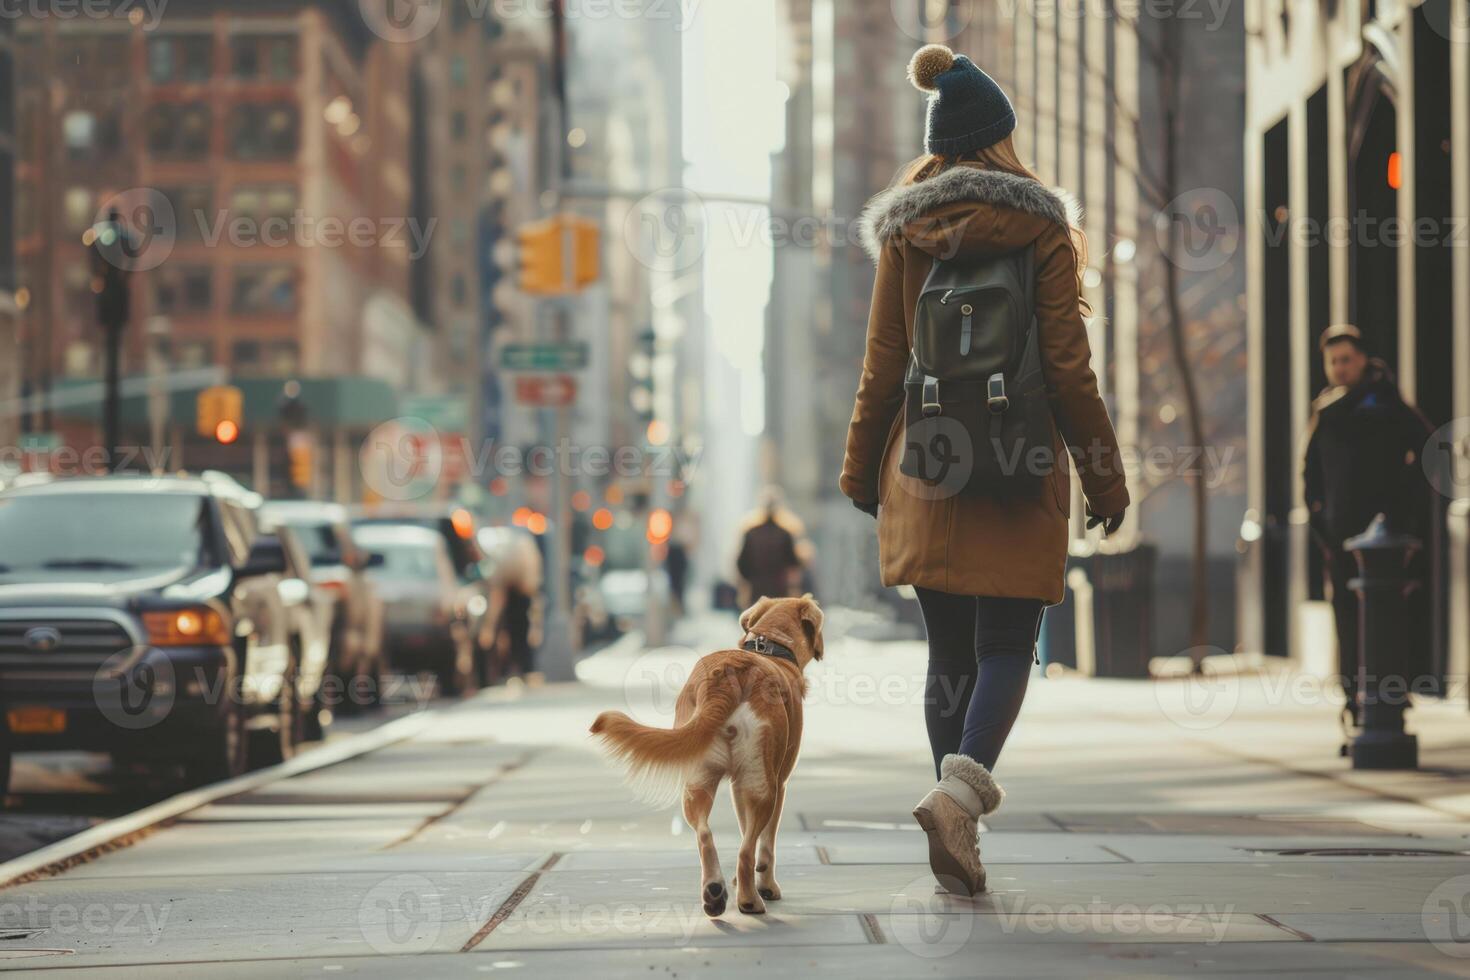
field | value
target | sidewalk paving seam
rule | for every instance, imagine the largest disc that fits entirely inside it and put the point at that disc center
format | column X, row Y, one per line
column 872, row 929
column 457, row 804
column 1330, row 775
column 1303, row 936
column 508, row 907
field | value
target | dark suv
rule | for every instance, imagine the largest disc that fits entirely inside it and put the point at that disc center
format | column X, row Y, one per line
column 133, row 622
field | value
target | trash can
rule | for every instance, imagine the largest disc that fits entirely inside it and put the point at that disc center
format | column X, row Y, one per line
column 1123, row 611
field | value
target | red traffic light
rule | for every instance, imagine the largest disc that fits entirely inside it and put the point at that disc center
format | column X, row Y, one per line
column 226, row 432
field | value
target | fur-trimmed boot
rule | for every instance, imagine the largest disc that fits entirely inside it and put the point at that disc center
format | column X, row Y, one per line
column 950, row 815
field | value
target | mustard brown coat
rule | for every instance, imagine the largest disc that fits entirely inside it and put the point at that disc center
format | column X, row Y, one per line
column 972, row 545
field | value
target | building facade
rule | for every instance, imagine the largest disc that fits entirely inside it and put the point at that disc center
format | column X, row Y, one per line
column 9, row 302
column 261, row 158
column 1358, row 183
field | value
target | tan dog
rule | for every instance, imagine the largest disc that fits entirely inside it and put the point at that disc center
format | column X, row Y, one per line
column 739, row 715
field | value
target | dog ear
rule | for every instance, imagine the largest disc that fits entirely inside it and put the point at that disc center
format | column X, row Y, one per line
column 755, row 612
column 811, row 623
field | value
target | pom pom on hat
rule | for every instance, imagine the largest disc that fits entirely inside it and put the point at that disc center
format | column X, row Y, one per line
column 929, row 62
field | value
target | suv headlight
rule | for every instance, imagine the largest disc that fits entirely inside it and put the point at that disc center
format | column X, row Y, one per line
column 192, row 626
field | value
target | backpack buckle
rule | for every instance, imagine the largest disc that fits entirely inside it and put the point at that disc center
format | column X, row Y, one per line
column 995, row 391
column 931, row 397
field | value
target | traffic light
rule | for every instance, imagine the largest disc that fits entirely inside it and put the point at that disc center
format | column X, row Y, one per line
column 301, row 452
column 559, row 255
column 219, row 412
column 640, row 366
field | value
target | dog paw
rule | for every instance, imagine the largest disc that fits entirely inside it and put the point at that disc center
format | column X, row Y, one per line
column 771, row 892
column 753, row 908
column 714, row 899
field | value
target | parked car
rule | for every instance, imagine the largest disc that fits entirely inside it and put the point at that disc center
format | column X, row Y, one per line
column 428, row 627
column 358, row 657
column 456, row 526
column 133, row 621
column 309, row 609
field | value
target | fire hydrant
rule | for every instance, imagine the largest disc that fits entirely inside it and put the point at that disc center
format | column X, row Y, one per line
column 1381, row 742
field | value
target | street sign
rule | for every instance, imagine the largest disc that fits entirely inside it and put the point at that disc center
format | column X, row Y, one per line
column 447, row 413
column 554, row 358
column 546, row 390
column 40, row 442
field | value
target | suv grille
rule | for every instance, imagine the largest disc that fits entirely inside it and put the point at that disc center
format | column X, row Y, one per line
column 58, row 648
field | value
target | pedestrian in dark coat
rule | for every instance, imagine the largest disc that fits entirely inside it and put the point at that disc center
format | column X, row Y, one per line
column 1362, row 460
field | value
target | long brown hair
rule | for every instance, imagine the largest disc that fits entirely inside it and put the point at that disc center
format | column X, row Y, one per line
column 1000, row 156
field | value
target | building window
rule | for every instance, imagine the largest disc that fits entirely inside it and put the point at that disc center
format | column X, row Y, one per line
column 179, row 131
column 267, row 57
column 263, row 132
column 457, row 178
column 458, row 74
column 90, row 136
column 283, row 357
column 262, row 203
column 457, row 290
column 180, row 58
column 193, row 210
column 267, row 289
column 189, row 354
column 182, row 290
column 79, row 206
column 458, row 125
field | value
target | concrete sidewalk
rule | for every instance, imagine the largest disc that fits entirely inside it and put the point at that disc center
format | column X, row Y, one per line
column 1150, row 829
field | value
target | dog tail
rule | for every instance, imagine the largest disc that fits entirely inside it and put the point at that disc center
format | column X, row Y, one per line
column 660, row 760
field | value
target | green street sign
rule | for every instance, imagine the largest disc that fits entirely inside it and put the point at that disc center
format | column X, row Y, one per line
column 446, row 413
column 544, row 357
column 40, row 442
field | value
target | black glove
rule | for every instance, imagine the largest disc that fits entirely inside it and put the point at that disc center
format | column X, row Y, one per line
column 1110, row 525
column 870, row 509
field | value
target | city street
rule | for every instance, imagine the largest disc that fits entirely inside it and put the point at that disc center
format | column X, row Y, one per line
column 1145, row 832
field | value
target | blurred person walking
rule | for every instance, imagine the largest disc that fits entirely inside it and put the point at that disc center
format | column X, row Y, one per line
column 770, row 563
column 984, row 564
column 1361, row 460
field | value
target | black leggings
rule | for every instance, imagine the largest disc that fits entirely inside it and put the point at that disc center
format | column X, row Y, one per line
column 980, row 657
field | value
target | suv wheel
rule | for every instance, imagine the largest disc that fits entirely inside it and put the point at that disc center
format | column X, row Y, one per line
column 225, row 757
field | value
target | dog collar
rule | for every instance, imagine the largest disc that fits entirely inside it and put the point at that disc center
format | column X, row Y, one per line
column 767, row 647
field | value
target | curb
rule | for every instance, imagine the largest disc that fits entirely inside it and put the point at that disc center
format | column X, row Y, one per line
column 56, row 858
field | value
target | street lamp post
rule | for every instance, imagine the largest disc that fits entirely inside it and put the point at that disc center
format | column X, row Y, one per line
column 1382, row 742
column 110, row 242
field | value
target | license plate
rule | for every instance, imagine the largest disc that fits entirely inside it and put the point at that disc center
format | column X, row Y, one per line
column 37, row 721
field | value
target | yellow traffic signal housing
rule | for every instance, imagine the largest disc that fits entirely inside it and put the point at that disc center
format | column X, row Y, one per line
column 301, row 452
column 542, row 256
column 220, row 405
column 559, row 255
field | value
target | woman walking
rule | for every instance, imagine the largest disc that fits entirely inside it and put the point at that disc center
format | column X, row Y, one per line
column 984, row 565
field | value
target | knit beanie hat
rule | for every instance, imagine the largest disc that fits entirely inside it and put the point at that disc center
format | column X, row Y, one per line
column 967, row 109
